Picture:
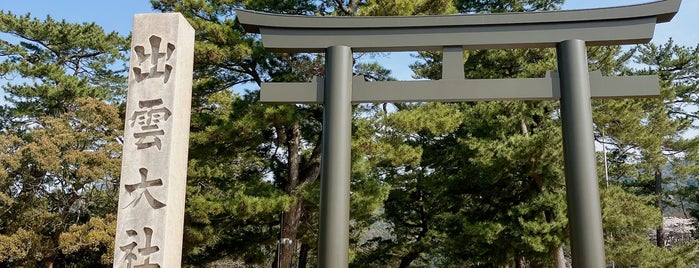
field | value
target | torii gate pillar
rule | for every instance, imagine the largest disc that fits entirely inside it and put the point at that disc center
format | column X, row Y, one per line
column 582, row 193
column 333, row 250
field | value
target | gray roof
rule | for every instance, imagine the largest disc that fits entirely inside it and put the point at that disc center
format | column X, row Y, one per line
column 602, row 26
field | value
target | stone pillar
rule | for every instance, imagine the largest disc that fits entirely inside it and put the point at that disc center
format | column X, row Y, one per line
column 156, row 139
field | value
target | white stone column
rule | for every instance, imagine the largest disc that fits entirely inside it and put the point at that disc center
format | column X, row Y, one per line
column 156, row 139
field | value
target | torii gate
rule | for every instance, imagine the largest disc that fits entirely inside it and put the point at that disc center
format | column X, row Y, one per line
column 568, row 31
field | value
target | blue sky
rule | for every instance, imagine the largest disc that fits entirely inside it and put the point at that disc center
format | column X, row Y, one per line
column 117, row 16
column 111, row 15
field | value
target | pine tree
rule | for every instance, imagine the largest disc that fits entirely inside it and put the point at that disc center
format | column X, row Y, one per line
column 60, row 149
column 653, row 153
column 493, row 185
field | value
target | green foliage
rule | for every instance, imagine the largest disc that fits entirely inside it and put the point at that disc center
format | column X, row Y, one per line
column 407, row 8
column 58, row 62
column 493, row 177
column 617, row 202
column 60, row 153
column 17, row 247
column 652, row 154
column 497, row 6
column 56, row 174
column 90, row 244
column 626, row 234
column 509, row 196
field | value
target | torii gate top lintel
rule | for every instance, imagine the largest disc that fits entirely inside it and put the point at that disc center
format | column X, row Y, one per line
column 601, row 26
column 451, row 34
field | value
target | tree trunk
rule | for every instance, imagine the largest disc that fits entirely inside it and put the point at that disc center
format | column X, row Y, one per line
column 520, row 262
column 298, row 173
column 682, row 206
column 292, row 220
column 303, row 255
column 659, row 232
column 416, row 248
column 408, row 259
column 559, row 258
column 50, row 252
column 535, row 264
column 47, row 262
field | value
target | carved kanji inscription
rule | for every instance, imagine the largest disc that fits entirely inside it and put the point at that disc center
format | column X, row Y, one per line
column 132, row 255
column 140, row 190
column 154, row 61
column 151, row 114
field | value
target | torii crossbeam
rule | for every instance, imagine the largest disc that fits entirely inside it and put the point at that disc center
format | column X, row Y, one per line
column 568, row 31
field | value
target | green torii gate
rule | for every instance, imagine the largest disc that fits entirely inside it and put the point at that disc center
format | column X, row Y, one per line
column 568, row 31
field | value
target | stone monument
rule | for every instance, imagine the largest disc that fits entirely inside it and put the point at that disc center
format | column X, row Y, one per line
column 156, row 139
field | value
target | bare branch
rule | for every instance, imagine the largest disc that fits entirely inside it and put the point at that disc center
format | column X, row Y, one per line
column 350, row 9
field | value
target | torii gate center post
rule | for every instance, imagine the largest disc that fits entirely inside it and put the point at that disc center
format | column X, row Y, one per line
column 569, row 31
